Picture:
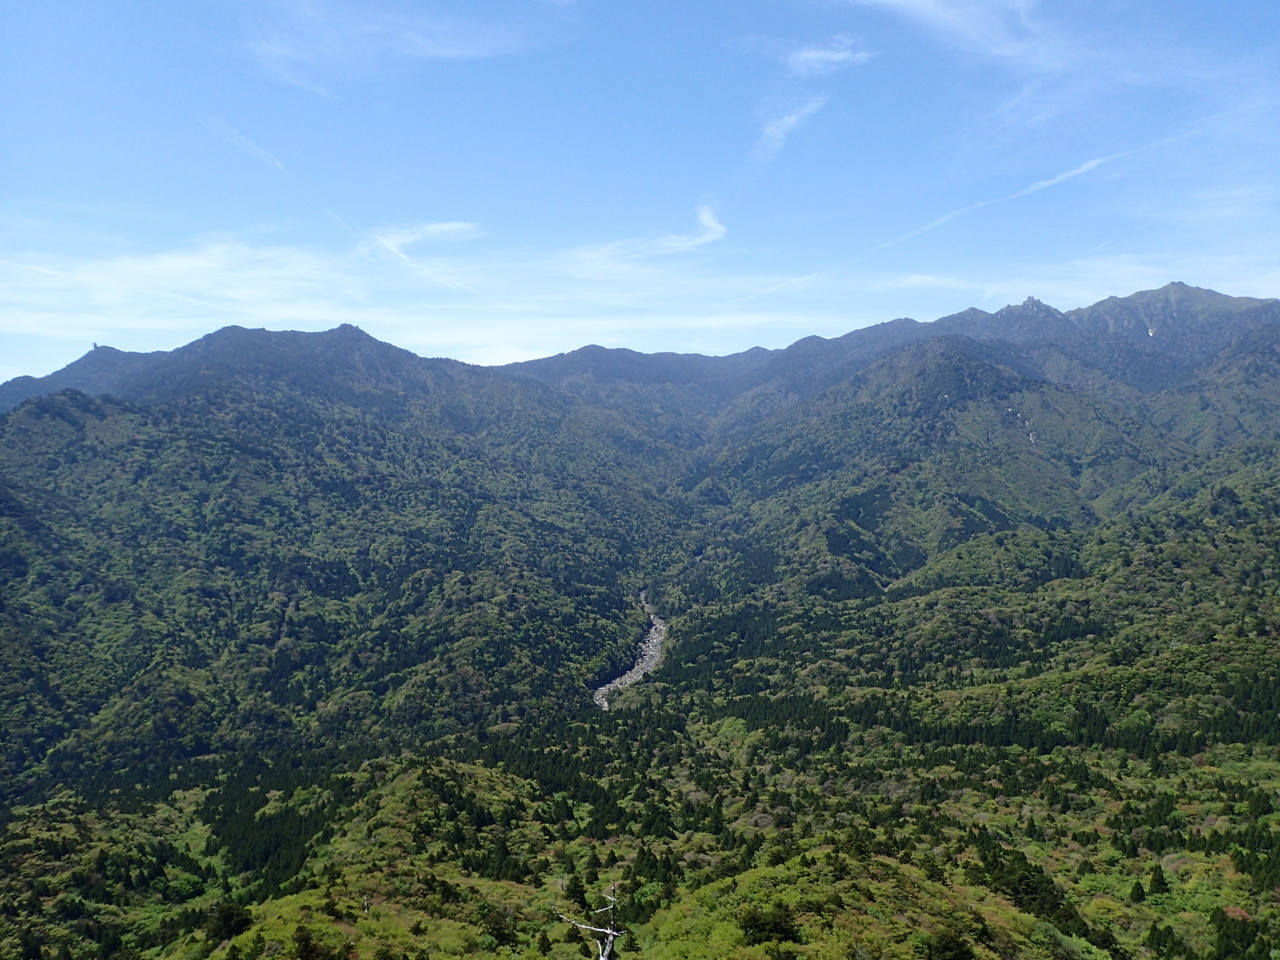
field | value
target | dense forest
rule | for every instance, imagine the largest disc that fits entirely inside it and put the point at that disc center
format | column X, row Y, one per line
column 971, row 646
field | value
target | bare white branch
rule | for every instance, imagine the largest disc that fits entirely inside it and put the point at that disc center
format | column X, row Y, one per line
column 604, row 931
column 604, row 937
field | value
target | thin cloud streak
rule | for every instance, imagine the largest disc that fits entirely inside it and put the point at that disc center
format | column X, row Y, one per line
column 779, row 129
column 712, row 230
column 1067, row 175
column 787, row 284
column 301, row 41
column 934, row 224
column 1077, row 171
column 395, row 239
column 1000, row 29
column 233, row 137
column 623, row 250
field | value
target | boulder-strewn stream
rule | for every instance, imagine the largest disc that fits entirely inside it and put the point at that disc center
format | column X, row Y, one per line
column 646, row 662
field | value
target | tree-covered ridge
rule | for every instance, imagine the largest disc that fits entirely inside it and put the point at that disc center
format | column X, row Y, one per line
column 316, row 561
column 971, row 647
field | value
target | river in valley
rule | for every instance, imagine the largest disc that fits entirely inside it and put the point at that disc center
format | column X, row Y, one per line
column 646, row 662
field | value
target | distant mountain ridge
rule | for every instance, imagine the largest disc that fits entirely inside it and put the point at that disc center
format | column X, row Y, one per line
column 1120, row 348
column 1149, row 340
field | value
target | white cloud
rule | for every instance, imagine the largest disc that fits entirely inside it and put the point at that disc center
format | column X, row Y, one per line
column 498, row 306
column 1194, row 132
column 481, row 305
column 819, row 60
column 1003, row 29
column 1069, row 62
column 712, row 229
column 303, row 42
column 777, row 130
column 790, row 283
column 395, row 239
column 1066, row 175
column 436, row 270
column 1076, row 171
column 235, row 138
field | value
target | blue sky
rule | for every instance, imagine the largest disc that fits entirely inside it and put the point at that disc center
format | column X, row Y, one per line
column 504, row 179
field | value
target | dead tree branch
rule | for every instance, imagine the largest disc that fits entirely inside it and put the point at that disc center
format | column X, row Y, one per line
column 605, row 937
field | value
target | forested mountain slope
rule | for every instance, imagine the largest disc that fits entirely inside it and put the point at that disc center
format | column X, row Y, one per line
column 972, row 645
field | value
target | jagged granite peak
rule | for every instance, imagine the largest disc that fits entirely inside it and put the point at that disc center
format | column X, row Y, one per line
column 1026, row 322
column 1029, row 306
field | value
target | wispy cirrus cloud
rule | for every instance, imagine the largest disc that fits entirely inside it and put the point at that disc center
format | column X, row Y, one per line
column 437, row 270
column 1079, row 170
column 787, row 110
column 822, row 59
column 233, row 137
column 498, row 306
column 1067, row 61
column 394, row 239
column 304, row 42
column 779, row 127
column 1045, row 184
column 502, row 305
column 710, row 229
column 395, row 282
column 1002, row 29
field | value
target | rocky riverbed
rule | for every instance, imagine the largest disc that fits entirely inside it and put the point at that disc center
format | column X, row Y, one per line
column 646, row 662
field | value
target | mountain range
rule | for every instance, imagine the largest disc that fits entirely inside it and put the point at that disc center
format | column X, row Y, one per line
column 970, row 650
